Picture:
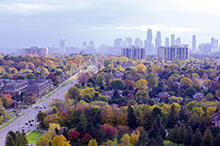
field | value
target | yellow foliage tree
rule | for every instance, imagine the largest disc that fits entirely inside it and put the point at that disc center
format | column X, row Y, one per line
column 209, row 112
column 141, row 67
column 60, row 140
column 186, row 81
column 92, row 142
column 44, row 140
column 199, row 111
column 134, row 137
column 142, row 83
column 109, row 143
column 125, row 140
column 207, row 82
column 86, row 92
column 52, row 127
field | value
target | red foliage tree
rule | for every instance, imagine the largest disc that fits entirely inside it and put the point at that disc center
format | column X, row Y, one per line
column 51, row 75
column 129, row 82
column 86, row 137
column 82, row 78
column 107, row 128
column 74, row 136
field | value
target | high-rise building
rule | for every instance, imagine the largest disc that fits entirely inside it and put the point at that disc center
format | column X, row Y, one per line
column 91, row 44
column 158, row 41
column 212, row 43
column 216, row 44
column 63, row 45
column 205, row 48
column 133, row 52
column 137, row 42
column 34, row 50
column 148, row 42
column 178, row 42
column 117, row 42
column 129, row 41
column 173, row 52
column 166, row 42
column 194, row 43
column 172, row 39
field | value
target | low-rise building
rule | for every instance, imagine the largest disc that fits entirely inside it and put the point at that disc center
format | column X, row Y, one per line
column 133, row 52
column 15, row 87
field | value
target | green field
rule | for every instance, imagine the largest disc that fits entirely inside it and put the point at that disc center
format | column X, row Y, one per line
column 169, row 143
column 33, row 137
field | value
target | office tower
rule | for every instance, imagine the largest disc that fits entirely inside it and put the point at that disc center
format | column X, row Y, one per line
column 129, row 41
column 141, row 43
column 166, row 42
column 91, row 44
column 84, row 44
column 137, row 42
column 158, row 40
column 212, row 43
column 117, row 42
column 178, row 42
column 194, row 43
column 172, row 39
column 63, row 45
column 205, row 48
column 216, row 44
column 148, row 42
column 173, row 52
column 133, row 52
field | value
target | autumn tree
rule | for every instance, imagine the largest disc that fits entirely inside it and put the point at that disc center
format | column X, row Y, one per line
column 44, row 140
column 92, row 142
column 152, row 80
column 100, row 79
column 141, row 67
column 134, row 137
column 60, row 140
column 142, row 83
column 209, row 112
column 50, row 119
column 87, row 92
column 186, row 81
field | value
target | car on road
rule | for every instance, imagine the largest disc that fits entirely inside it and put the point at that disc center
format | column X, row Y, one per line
column 31, row 124
column 23, row 128
column 29, row 121
column 36, row 107
column 26, row 123
column 32, row 120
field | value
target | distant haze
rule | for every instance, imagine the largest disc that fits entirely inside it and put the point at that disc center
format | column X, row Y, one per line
column 43, row 23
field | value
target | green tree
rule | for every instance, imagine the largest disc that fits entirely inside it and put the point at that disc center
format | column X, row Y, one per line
column 189, row 136
column 16, row 139
column 172, row 118
column 100, row 79
column 152, row 80
column 30, row 76
column 152, row 142
column 197, row 138
column 181, row 134
column 131, row 118
column 73, row 92
column 207, row 139
column 190, row 92
column 118, row 84
column 40, row 118
column 216, row 140
column 173, row 136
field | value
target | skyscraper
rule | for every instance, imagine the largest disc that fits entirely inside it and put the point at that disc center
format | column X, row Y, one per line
column 167, row 42
column 148, row 42
column 216, row 44
column 91, row 44
column 129, row 41
column 117, row 42
column 158, row 40
column 63, row 45
column 194, row 43
column 137, row 42
column 212, row 43
column 178, row 42
column 172, row 39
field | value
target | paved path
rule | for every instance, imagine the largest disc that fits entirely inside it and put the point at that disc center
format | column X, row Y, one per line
column 32, row 112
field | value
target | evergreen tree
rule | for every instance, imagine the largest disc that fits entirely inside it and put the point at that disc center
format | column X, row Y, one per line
column 217, row 141
column 159, row 140
column 215, row 131
column 143, row 140
column 189, row 136
column 9, row 141
column 181, row 134
column 197, row 138
column 202, row 127
column 172, row 118
column 173, row 137
column 152, row 142
column 207, row 139
column 161, row 128
column 132, row 123
column 182, row 114
column 130, row 87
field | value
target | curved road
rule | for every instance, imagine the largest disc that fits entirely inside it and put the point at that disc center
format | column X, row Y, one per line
column 32, row 112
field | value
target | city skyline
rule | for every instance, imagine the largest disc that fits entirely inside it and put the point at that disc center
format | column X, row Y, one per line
column 43, row 23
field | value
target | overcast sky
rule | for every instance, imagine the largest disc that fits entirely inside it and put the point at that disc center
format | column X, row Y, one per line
column 25, row 23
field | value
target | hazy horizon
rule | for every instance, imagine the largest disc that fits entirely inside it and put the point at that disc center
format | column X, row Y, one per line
column 43, row 23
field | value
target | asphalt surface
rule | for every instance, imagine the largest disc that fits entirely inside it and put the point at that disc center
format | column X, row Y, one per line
column 31, row 112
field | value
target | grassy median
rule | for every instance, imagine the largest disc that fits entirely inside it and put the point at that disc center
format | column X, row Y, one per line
column 34, row 136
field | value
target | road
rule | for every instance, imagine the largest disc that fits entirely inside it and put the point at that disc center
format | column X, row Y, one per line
column 32, row 112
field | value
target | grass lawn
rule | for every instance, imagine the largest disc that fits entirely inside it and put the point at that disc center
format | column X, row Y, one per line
column 33, row 137
column 169, row 143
